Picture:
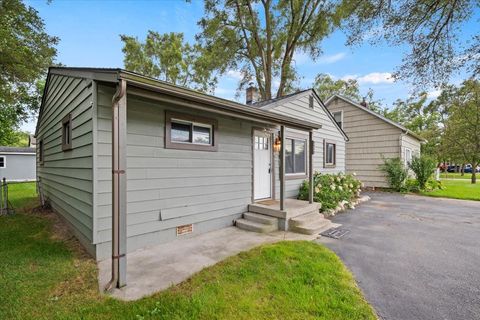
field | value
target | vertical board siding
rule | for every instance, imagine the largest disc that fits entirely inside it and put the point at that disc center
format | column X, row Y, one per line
column 67, row 175
column 168, row 187
column 300, row 109
column 370, row 138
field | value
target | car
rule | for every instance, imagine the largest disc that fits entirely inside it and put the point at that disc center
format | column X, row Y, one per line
column 451, row 168
column 468, row 168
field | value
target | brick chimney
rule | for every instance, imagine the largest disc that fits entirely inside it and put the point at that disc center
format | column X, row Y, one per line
column 364, row 103
column 252, row 95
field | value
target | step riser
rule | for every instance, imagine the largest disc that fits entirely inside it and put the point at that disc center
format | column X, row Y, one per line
column 307, row 219
column 316, row 230
column 284, row 214
column 255, row 217
column 266, row 211
column 262, row 228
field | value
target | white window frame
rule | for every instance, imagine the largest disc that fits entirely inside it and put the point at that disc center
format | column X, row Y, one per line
column 4, row 162
column 407, row 160
column 325, row 154
column 341, row 118
column 297, row 174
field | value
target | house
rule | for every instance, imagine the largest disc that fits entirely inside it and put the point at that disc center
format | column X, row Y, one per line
column 329, row 140
column 128, row 158
column 17, row 164
column 371, row 137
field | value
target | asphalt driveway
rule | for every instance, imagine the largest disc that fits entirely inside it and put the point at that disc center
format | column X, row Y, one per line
column 414, row 257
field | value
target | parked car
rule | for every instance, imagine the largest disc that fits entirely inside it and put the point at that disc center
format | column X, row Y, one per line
column 468, row 168
column 451, row 168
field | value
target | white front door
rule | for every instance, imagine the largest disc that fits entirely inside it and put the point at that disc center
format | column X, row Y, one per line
column 262, row 165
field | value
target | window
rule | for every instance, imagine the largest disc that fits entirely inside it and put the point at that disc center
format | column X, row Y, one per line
column 40, row 151
column 261, row 143
column 67, row 132
column 3, row 162
column 190, row 132
column 408, row 156
column 295, row 156
column 330, row 154
column 339, row 118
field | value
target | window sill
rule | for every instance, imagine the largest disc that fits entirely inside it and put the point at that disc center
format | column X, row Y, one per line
column 295, row 176
column 329, row 166
column 190, row 146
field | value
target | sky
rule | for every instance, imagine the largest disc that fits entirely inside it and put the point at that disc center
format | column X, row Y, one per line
column 89, row 37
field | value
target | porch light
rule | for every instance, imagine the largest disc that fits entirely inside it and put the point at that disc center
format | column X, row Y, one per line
column 277, row 144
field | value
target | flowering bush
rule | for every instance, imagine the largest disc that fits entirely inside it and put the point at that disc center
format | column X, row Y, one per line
column 332, row 189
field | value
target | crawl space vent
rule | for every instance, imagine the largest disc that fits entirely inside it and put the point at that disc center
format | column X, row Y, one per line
column 185, row 229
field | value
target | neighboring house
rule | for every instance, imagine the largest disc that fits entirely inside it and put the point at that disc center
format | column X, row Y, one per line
column 17, row 164
column 183, row 162
column 371, row 137
column 329, row 140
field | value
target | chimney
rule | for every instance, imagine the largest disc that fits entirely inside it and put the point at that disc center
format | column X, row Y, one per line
column 252, row 95
column 364, row 103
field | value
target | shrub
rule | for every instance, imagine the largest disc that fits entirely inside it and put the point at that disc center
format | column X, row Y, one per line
column 423, row 168
column 331, row 189
column 396, row 173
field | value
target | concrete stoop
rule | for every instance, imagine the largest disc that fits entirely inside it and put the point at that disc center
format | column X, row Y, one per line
column 310, row 223
column 257, row 223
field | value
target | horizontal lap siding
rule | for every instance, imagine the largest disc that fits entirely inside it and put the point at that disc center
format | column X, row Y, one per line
column 370, row 138
column 168, row 187
column 67, row 175
column 300, row 109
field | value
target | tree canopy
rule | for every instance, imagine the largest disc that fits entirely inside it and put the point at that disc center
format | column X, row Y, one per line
column 26, row 51
column 261, row 38
column 431, row 28
column 170, row 58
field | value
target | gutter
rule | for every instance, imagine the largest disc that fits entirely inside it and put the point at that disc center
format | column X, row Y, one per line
column 119, row 105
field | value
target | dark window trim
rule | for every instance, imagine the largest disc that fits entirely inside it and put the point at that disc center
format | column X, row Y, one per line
column 298, row 175
column 4, row 161
column 325, row 164
column 41, row 151
column 67, row 145
column 190, row 118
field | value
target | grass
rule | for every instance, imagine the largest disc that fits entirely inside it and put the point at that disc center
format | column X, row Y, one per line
column 456, row 189
column 455, row 175
column 45, row 276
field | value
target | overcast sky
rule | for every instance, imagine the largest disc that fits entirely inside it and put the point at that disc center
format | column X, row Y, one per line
column 89, row 37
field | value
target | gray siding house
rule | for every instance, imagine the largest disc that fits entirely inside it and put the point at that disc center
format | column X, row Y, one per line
column 371, row 136
column 135, row 160
column 17, row 164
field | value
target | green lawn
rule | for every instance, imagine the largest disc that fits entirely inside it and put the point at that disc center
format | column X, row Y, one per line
column 457, row 189
column 454, row 175
column 43, row 277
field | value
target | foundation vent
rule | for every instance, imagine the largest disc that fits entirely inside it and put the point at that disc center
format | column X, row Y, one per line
column 185, row 229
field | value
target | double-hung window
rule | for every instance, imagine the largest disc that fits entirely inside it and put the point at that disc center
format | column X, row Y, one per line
column 408, row 156
column 295, row 156
column 3, row 162
column 190, row 132
column 329, row 154
column 339, row 118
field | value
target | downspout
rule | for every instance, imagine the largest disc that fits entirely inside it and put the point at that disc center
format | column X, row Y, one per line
column 118, row 186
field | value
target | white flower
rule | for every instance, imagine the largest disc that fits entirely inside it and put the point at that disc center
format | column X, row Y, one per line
column 354, row 174
column 317, row 189
column 332, row 187
column 340, row 188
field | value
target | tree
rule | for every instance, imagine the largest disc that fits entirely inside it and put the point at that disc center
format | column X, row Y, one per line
column 26, row 51
column 462, row 128
column 168, row 57
column 261, row 38
column 422, row 118
column 431, row 29
column 326, row 87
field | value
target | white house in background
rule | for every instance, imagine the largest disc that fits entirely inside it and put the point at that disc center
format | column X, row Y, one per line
column 371, row 137
column 17, row 164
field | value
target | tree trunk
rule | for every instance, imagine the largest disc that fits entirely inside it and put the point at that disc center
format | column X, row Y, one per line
column 462, row 169
column 474, row 173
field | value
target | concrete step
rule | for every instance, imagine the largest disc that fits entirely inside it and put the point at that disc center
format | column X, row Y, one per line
column 260, row 218
column 313, row 228
column 306, row 219
column 249, row 225
column 293, row 208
